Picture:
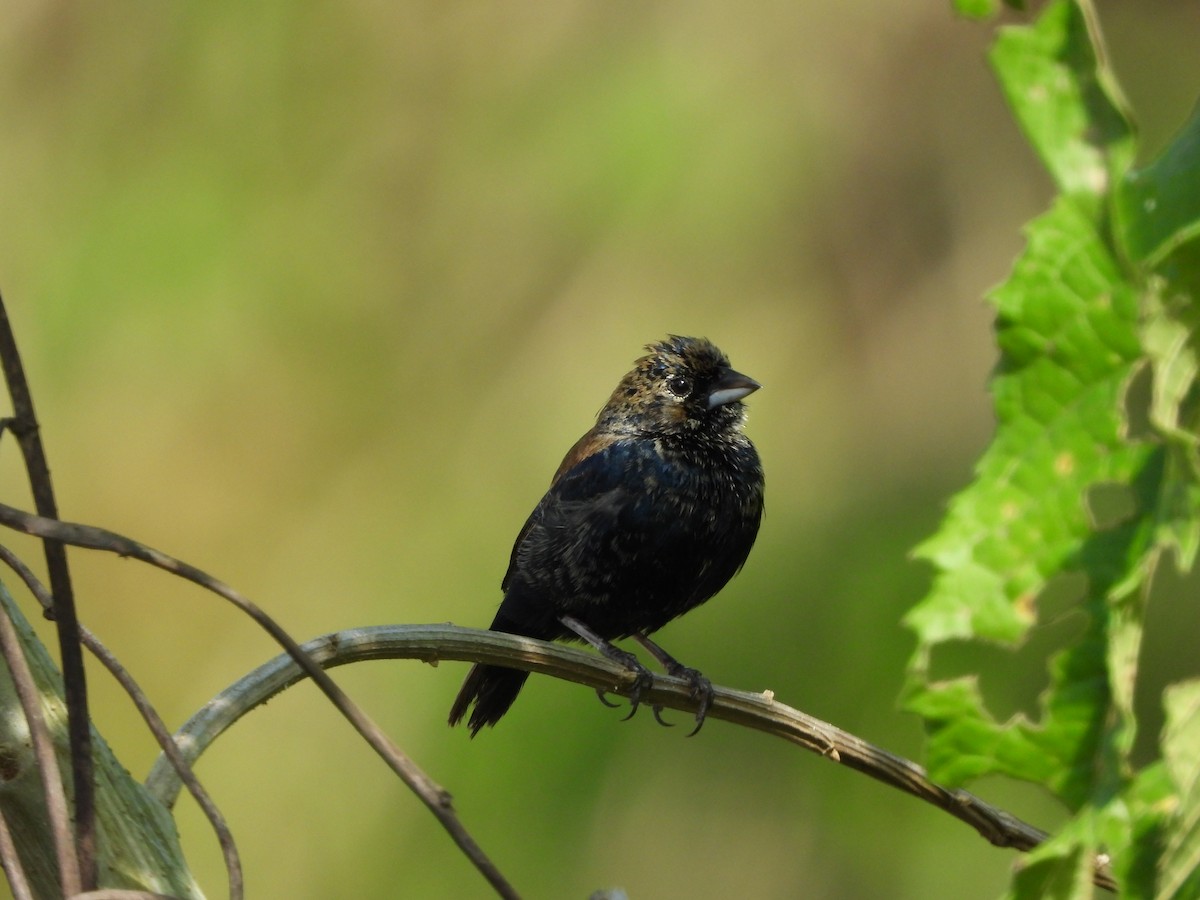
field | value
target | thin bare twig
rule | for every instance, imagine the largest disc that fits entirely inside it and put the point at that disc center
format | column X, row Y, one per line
column 435, row 798
column 47, row 763
column 10, row 860
column 759, row 711
column 233, row 863
column 24, row 426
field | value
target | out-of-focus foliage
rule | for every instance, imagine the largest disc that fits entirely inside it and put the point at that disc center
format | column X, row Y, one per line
column 1104, row 290
column 317, row 296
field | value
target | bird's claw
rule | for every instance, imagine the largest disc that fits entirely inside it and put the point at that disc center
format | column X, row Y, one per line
column 701, row 691
column 643, row 681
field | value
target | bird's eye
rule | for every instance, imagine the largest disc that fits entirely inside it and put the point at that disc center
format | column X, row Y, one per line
column 679, row 385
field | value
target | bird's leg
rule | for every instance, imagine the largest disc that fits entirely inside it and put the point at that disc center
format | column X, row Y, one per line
column 702, row 689
column 644, row 679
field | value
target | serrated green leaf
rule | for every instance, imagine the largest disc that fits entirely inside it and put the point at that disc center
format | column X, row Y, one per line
column 1158, row 206
column 1179, row 870
column 944, row 617
column 1106, row 286
column 1055, row 78
column 1067, row 326
column 1067, row 322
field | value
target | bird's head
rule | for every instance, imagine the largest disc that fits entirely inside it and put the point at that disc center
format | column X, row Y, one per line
column 683, row 385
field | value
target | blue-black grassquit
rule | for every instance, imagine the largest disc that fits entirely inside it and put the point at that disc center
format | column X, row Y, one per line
column 649, row 515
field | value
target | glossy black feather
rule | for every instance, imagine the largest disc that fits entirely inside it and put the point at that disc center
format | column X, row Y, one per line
column 649, row 515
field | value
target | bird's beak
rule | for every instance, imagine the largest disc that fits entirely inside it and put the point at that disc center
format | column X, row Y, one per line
column 730, row 386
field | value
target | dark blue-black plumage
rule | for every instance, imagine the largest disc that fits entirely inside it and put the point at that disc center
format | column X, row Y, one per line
column 649, row 515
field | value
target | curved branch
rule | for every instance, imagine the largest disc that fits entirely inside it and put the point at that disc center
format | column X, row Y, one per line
column 759, row 711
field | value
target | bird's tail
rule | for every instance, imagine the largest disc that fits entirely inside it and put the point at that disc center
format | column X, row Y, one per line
column 492, row 688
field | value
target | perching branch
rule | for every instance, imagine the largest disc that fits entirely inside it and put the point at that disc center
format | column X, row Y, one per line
column 760, row 711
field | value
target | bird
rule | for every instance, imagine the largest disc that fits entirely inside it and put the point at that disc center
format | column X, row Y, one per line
column 649, row 515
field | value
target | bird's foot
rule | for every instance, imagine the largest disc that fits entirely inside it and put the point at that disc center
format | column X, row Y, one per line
column 643, row 681
column 701, row 691
column 701, row 687
column 644, row 678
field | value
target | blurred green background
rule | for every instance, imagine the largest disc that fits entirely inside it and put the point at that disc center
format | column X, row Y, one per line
column 315, row 296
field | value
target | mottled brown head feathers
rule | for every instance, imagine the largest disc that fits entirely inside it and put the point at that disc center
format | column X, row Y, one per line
column 683, row 384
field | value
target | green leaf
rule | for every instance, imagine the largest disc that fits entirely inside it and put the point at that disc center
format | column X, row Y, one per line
column 1067, row 326
column 1169, row 332
column 1138, row 844
column 1055, row 78
column 1158, row 206
column 1064, row 866
column 1180, row 864
column 1105, row 289
column 1065, row 875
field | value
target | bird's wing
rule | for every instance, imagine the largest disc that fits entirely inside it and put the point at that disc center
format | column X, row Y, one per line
column 587, row 471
